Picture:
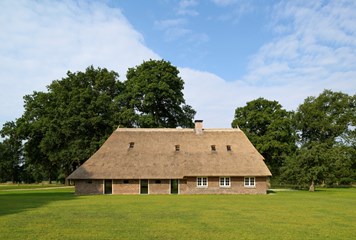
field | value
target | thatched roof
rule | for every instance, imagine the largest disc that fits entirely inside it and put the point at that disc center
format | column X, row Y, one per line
column 154, row 155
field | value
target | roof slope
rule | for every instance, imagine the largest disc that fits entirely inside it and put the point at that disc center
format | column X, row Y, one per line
column 154, row 155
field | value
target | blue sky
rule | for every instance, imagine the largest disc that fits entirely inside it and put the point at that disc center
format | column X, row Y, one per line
column 228, row 51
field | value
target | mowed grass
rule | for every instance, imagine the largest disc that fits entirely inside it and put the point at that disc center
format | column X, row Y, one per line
column 28, row 186
column 59, row 214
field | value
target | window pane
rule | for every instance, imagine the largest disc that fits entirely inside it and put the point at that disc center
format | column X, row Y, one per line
column 199, row 181
column 247, row 182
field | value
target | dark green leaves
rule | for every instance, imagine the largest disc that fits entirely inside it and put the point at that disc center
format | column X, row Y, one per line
column 153, row 92
column 269, row 128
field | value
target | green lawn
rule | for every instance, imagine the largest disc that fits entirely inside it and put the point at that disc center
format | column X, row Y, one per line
column 59, row 214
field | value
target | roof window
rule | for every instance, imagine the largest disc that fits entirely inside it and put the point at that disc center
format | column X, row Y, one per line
column 213, row 148
column 228, row 148
column 177, row 148
column 131, row 145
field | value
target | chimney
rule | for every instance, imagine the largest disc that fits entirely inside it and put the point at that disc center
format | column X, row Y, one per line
column 198, row 126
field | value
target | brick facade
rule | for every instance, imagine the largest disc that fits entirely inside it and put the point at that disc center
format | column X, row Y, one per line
column 159, row 186
column 89, row 187
column 186, row 186
column 131, row 186
column 189, row 186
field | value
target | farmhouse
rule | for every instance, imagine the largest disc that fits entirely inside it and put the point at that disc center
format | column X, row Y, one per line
column 174, row 161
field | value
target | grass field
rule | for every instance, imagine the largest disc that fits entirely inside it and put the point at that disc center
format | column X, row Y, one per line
column 59, row 214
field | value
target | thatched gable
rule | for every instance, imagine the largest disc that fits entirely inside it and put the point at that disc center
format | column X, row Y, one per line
column 173, row 154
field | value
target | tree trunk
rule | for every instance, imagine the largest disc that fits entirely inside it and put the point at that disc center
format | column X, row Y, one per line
column 312, row 187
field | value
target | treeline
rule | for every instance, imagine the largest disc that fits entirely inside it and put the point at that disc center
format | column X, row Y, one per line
column 64, row 126
column 316, row 144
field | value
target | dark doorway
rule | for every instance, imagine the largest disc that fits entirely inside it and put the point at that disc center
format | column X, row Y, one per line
column 174, row 186
column 144, row 186
column 108, row 186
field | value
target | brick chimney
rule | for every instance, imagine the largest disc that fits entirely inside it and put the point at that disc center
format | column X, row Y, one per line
column 198, row 126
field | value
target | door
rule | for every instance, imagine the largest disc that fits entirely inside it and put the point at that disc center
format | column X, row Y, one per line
column 144, row 186
column 108, row 186
column 174, row 186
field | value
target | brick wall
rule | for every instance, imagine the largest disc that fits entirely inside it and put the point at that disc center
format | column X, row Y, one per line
column 186, row 186
column 131, row 186
column 159, row 188
column 89, row 187
column 189, row 186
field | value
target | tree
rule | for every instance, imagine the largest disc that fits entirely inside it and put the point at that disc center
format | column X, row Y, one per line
column 153, row 97
column 325, row 118
column 66, row 125
column 269, row 128
column 10, row 153
column 326, row 131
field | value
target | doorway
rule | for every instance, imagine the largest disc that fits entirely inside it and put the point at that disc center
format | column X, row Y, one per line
column 144, row 186
column 174, row 186
column 108, row 186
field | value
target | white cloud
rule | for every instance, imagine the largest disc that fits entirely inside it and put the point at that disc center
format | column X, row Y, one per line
column 318, row 43
column 169, row 23
column 41, row 41
column 315, row 48
column 224, row 3
column 185, row 8
column 315, row 51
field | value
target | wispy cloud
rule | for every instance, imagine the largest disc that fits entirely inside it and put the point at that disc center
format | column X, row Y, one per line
column 224, row 3
column 186, row 7
column 319, row 43
column 235, row 9
column 178, row 27
column 173, row 28
column 315, row 51
column 314, row 48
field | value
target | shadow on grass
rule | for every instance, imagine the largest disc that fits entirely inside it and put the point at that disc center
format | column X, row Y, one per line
column 18, row 201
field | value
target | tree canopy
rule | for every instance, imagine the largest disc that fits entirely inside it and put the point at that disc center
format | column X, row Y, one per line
column 269, row 128
column 63, row 127
column 153, row 95
column 326, row 133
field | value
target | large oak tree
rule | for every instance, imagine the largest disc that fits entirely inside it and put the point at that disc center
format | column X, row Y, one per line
column 153, row 96
column 269, row 128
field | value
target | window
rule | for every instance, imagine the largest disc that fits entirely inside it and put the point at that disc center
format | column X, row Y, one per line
column 131, row 145
column 177, row 148
column 225, row 181
column 202, row 182
column 158, row 181
column 213, row 148
column 249, row 182
column 228, row 147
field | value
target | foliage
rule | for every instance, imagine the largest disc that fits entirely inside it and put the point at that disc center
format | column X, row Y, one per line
column 63, row 127
column 10, row 153
column 325, row 118
column 153, row 96
column 269, row 128
column 326, row 130
column 58, row 213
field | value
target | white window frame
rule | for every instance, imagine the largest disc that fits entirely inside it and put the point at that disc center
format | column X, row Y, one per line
column 200, row 182
column 249, row 182
column 226, row 182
